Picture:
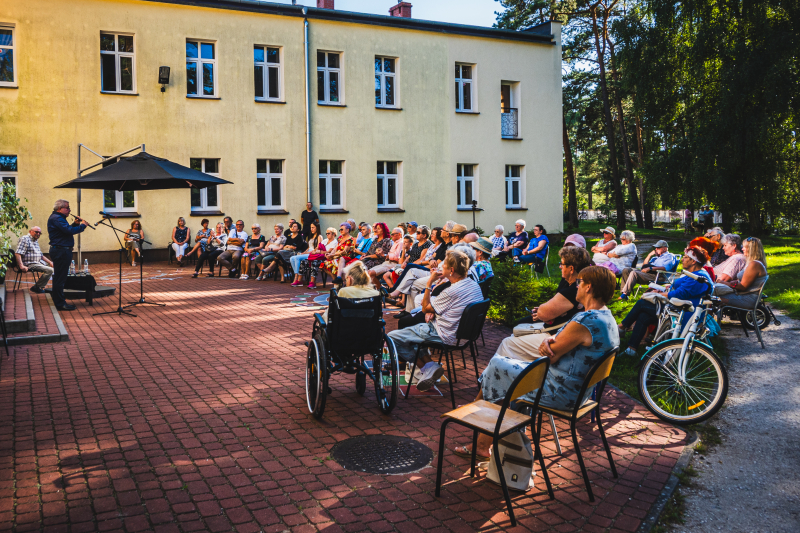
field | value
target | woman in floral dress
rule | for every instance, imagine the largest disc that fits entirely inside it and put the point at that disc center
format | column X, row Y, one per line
column 339, row 257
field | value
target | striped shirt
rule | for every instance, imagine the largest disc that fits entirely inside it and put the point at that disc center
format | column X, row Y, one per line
column 450, row 304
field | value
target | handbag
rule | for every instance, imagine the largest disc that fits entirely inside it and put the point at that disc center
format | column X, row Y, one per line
column 319, row 255
column 516, row 456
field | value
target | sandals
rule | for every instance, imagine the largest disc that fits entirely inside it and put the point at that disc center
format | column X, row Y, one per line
column 466, row 453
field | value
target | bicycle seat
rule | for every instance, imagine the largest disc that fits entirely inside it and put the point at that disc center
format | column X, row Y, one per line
column 684, row 305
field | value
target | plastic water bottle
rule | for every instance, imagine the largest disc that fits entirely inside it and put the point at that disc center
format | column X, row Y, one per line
column 86, row 266
column 72, row 268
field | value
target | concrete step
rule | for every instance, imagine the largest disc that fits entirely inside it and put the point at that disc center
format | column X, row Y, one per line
column 31, row 318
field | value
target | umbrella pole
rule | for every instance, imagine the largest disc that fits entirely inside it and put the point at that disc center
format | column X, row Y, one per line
column 79, row 204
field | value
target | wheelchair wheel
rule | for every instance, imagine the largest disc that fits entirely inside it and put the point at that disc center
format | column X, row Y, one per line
column 316, row 376
column 696, row 398
column 762, row 314
column 361, row 383
column 386, row 369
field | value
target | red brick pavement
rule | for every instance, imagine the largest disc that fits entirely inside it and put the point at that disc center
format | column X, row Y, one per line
column 192, row 417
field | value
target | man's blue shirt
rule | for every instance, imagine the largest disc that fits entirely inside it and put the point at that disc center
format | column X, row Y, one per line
column 61, row 232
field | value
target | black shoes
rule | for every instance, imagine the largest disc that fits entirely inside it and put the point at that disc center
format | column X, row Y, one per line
column 402, row 314
column 37, row 290
column 66, row 307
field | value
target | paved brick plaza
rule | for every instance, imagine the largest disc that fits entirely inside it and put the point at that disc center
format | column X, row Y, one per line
column 192, row 417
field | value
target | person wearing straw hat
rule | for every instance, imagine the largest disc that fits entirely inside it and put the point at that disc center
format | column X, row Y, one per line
column 604, row 246
column 482, row 268
column 658, row 259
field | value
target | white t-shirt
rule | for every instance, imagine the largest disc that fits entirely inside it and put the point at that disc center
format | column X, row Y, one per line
column 236, row 235
column 450, row 304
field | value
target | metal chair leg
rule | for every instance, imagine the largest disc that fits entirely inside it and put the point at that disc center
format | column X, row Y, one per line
column 441, row 457
column 474, row 360
column 555, row 434
column 450, row 379
column 501, row 475
column 537, row 452
column 413, row 368
column 605, row 443
column 482, row 341
column 580, row 461
column 474, row 452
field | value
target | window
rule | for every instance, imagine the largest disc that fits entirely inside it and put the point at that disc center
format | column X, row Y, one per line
column 267, row 62
column 385, row 82
column 269, row 174
column 514, row 185
column 8, row 74
column 205, row 199
column 465, row 95
column 8, row 169
column 329, row 78
column 119, row 201
column 116, row 63
column 465, row 185
column 388, row 184
column 201, row 66
column 509, row 110
column 330, row 184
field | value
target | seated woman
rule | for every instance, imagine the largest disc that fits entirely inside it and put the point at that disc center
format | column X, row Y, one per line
column 267, row 256
column 536, row 251
column 499, row 242
column 180, row 240
column 749, row 280
column 421, row 254
column 553, row 314
column 252, row 249
column 572, row 352
column 213, row 249
column 133, row 241
column 295, row 244
column 481, row 269
column 379, row 250
column 390, row 277
column 643, row 313
column 357, row 284
column 729, row 269
column 201, row 239
column 313, row 241
column 340, row 256
column 604, row 246
column 622, row 256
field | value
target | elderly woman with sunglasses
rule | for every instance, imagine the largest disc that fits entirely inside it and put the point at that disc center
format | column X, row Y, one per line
column 252, row 249
column 342, row 255
column 270, row 252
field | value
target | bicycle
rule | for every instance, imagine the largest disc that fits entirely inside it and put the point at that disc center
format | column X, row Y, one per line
column 681, row 379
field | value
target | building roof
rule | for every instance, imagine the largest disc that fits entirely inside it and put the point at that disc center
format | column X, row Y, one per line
column 536, row 34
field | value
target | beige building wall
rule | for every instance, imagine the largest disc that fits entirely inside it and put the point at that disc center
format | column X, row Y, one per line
column 58, row 104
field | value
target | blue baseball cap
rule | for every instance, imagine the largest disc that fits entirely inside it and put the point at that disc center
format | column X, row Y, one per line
column 412, row 223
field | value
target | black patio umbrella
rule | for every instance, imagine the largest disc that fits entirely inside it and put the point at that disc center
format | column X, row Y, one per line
column 143, row 172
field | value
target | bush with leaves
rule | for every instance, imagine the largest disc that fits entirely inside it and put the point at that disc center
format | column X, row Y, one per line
column 514, row 289
column 12, row 221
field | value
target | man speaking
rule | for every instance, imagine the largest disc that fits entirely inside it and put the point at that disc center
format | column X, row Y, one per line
column 61, row 243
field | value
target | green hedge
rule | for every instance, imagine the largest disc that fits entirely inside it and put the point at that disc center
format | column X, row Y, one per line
column 514, row 289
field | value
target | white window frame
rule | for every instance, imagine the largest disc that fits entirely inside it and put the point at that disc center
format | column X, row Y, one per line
column 6, row 175
column 384, row 178
column 461, row 179
column 266, row 66
column 14, row 54
column 118, row 200
column 199, row 61
column 509, row 186
column 460, row 83
column 268, row 176
column 117, row 68
column 204, row 206
column 328, row 177
column 327, row 81
column 380, row 78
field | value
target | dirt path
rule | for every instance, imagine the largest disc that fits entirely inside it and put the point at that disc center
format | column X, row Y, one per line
column 751, row 482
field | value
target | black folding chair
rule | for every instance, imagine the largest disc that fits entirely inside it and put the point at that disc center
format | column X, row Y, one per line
column 18, row 275
column 469, row 329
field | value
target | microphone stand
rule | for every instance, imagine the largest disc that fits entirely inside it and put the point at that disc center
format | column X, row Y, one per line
column 141, row 299
column 119, row 310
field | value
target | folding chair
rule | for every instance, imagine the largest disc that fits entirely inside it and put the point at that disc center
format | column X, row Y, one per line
column 18, row 276
column 546, row 264
column 498, row 421
column 598, row 375
column 469, row 329
column 754, row 312
column 668, row 275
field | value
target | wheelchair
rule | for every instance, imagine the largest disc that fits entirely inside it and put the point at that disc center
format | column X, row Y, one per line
column 353, row 341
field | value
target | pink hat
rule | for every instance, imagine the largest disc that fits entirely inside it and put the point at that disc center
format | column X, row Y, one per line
column 577, row 240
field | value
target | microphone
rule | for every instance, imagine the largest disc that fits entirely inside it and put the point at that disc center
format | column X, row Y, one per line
column 107, row 215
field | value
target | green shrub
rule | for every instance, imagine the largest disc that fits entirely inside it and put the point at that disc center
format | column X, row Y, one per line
column 514, row 289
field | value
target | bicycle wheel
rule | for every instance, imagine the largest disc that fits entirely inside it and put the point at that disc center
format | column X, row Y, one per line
column 688, row 401
column 386, row 369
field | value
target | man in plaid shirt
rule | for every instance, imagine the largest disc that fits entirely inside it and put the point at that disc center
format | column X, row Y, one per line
column 29, row 258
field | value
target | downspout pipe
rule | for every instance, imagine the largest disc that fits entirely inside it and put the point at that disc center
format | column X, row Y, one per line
column 308, row 111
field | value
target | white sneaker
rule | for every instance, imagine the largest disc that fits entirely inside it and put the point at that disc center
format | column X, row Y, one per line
column 417, row 374
column 629, row 351
column 244, row 276
column 430, row 375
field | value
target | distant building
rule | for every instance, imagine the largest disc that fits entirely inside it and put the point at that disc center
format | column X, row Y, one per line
column 403, row 113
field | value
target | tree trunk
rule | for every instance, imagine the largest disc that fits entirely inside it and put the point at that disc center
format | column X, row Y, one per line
column 573, row 199
column 626, row 154
column 648, row 213
column 612, row 149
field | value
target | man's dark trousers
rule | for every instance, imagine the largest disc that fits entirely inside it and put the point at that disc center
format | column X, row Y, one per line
column 61, row 258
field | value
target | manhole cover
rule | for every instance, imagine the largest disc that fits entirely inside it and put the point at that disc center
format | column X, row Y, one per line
column 382, row 454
